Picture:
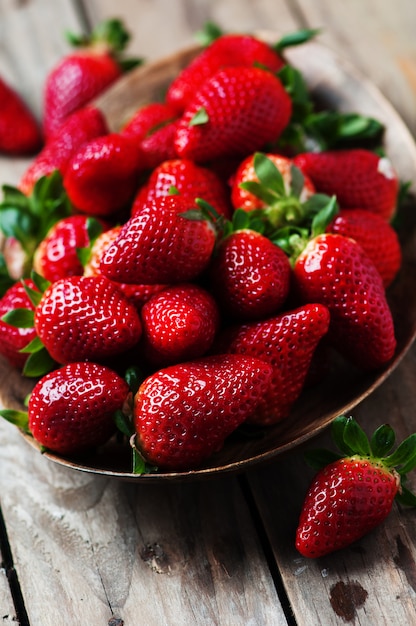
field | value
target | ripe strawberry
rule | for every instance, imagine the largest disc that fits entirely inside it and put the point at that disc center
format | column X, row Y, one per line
column 137, row 294
column 187, row 179
column 231, row 50
column 70, row 410
column 355, row 491
column 13, row 339
column 357, row 177
column 83, row 74
column 101, row 177
column 57, row 256
column 179, row 324
column 288, row 342
column 250, row 276
column 234, row 113
column 160, row 245
column 376, row 236
column 79, row 128
column 85, row 318
column 19, row 131
column 184, row 413
column 272, row 192
column 335, row 271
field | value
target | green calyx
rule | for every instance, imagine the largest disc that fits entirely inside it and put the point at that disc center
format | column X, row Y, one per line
column 352, row 441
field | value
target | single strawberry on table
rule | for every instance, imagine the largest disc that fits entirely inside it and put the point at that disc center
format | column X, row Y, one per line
column 20, row 132
column 184, row 413
column 354, row 490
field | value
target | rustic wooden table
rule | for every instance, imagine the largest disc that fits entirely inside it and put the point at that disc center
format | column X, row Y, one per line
column 80, row 549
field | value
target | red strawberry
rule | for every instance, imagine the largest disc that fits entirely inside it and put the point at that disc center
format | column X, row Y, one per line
column 234, row 113
column 288, row 342
column 357, row 177
column 184, row 413
column 267, row 194
column 137, row 294
column 335, row 271
column 57, row 255
column 250, row 276
column 376, row 236
column 82, row 75
column 70, row 410
column 102, row 175
column 355, row 492
column 12, row 338
column 19, row 131
column 86, row 318
column 160, row 245
column 79, row 128
column 230, row 50
column 179, row 324
column 189, row 180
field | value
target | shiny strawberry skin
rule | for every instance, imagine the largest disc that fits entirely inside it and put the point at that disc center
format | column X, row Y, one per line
column 246, row 107
column 376, row 236
column 249, row 276
column 13, row 339
column 190, row 180
column 71, row 410
column 358, row 178
column 101, row 177
column 73, row 83
column 184, row 413
column 347, row 499
column 79, row 128
column 288, row 342
column 56, row 256
column 335, row 271
column 226, row 51
column 179, row 324
column 19, row 130
column 86, row 318
column 159, row 245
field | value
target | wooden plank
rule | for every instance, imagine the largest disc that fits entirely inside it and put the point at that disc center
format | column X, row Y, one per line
column 378, row 38
column 371, row 582
column 7, row 611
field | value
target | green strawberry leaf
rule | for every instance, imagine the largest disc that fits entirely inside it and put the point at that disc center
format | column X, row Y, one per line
column 124, row 423
column 337, row 432
column 41, row 283
column 258, row 190
column 209, row 33
column 19, row 318
column 324, row 217
column 382, row 440
column 297, row 181
column 404, row 456
column 296, row 38
column 33, row 346
column 269, row 176
column 6, row 281
column 241, row 220
column 38, row 364
column 406, row 497
column 356, row 439
column 18, row 418
column 200, row 117
column 34, row 296
column 134, row 378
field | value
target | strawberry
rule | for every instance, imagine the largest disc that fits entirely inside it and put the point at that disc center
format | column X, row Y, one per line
column 229, row 50
column 79, row 128
column 179, row 324
column 83, row 74
column 335, row 271
column 184, row 413
column 101, row 177
column 357, row 177
column 70, row 410
column 288, row 342
column 234, row 113
column 160, row 245
column 189, row 180
column 355, row 490
column 250, row 275
column 13, row 339
column 77, row 318
column 376, row 236
column 137, row 294
column 58, row 254
column 19, row 130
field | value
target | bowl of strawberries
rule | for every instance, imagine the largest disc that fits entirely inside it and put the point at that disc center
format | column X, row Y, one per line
column 216, row 261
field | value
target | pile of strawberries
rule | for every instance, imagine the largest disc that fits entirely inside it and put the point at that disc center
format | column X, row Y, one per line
column 194, row 270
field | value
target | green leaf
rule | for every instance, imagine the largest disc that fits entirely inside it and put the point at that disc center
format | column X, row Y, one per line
column 134, row 378
column 382, row 441
column 355, row 438
column 38, row 364
column 41, row 283
column 404, row 455
column 173, row 191
column 268, row 174
column 33, row 346
column 324, row 217
column 113, row 33
column 209, row 33
column 241, row 220
column 257, row 189
column 200, row 117
column 297, row 181
column 5, row 279
column 18, row 418
column 124, row 424
column 34, row 296
column 296, row 38
column 19, row 318
column 406, row 497
column 337, row 432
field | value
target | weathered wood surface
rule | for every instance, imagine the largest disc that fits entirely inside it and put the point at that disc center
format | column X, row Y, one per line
column 93, row 551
